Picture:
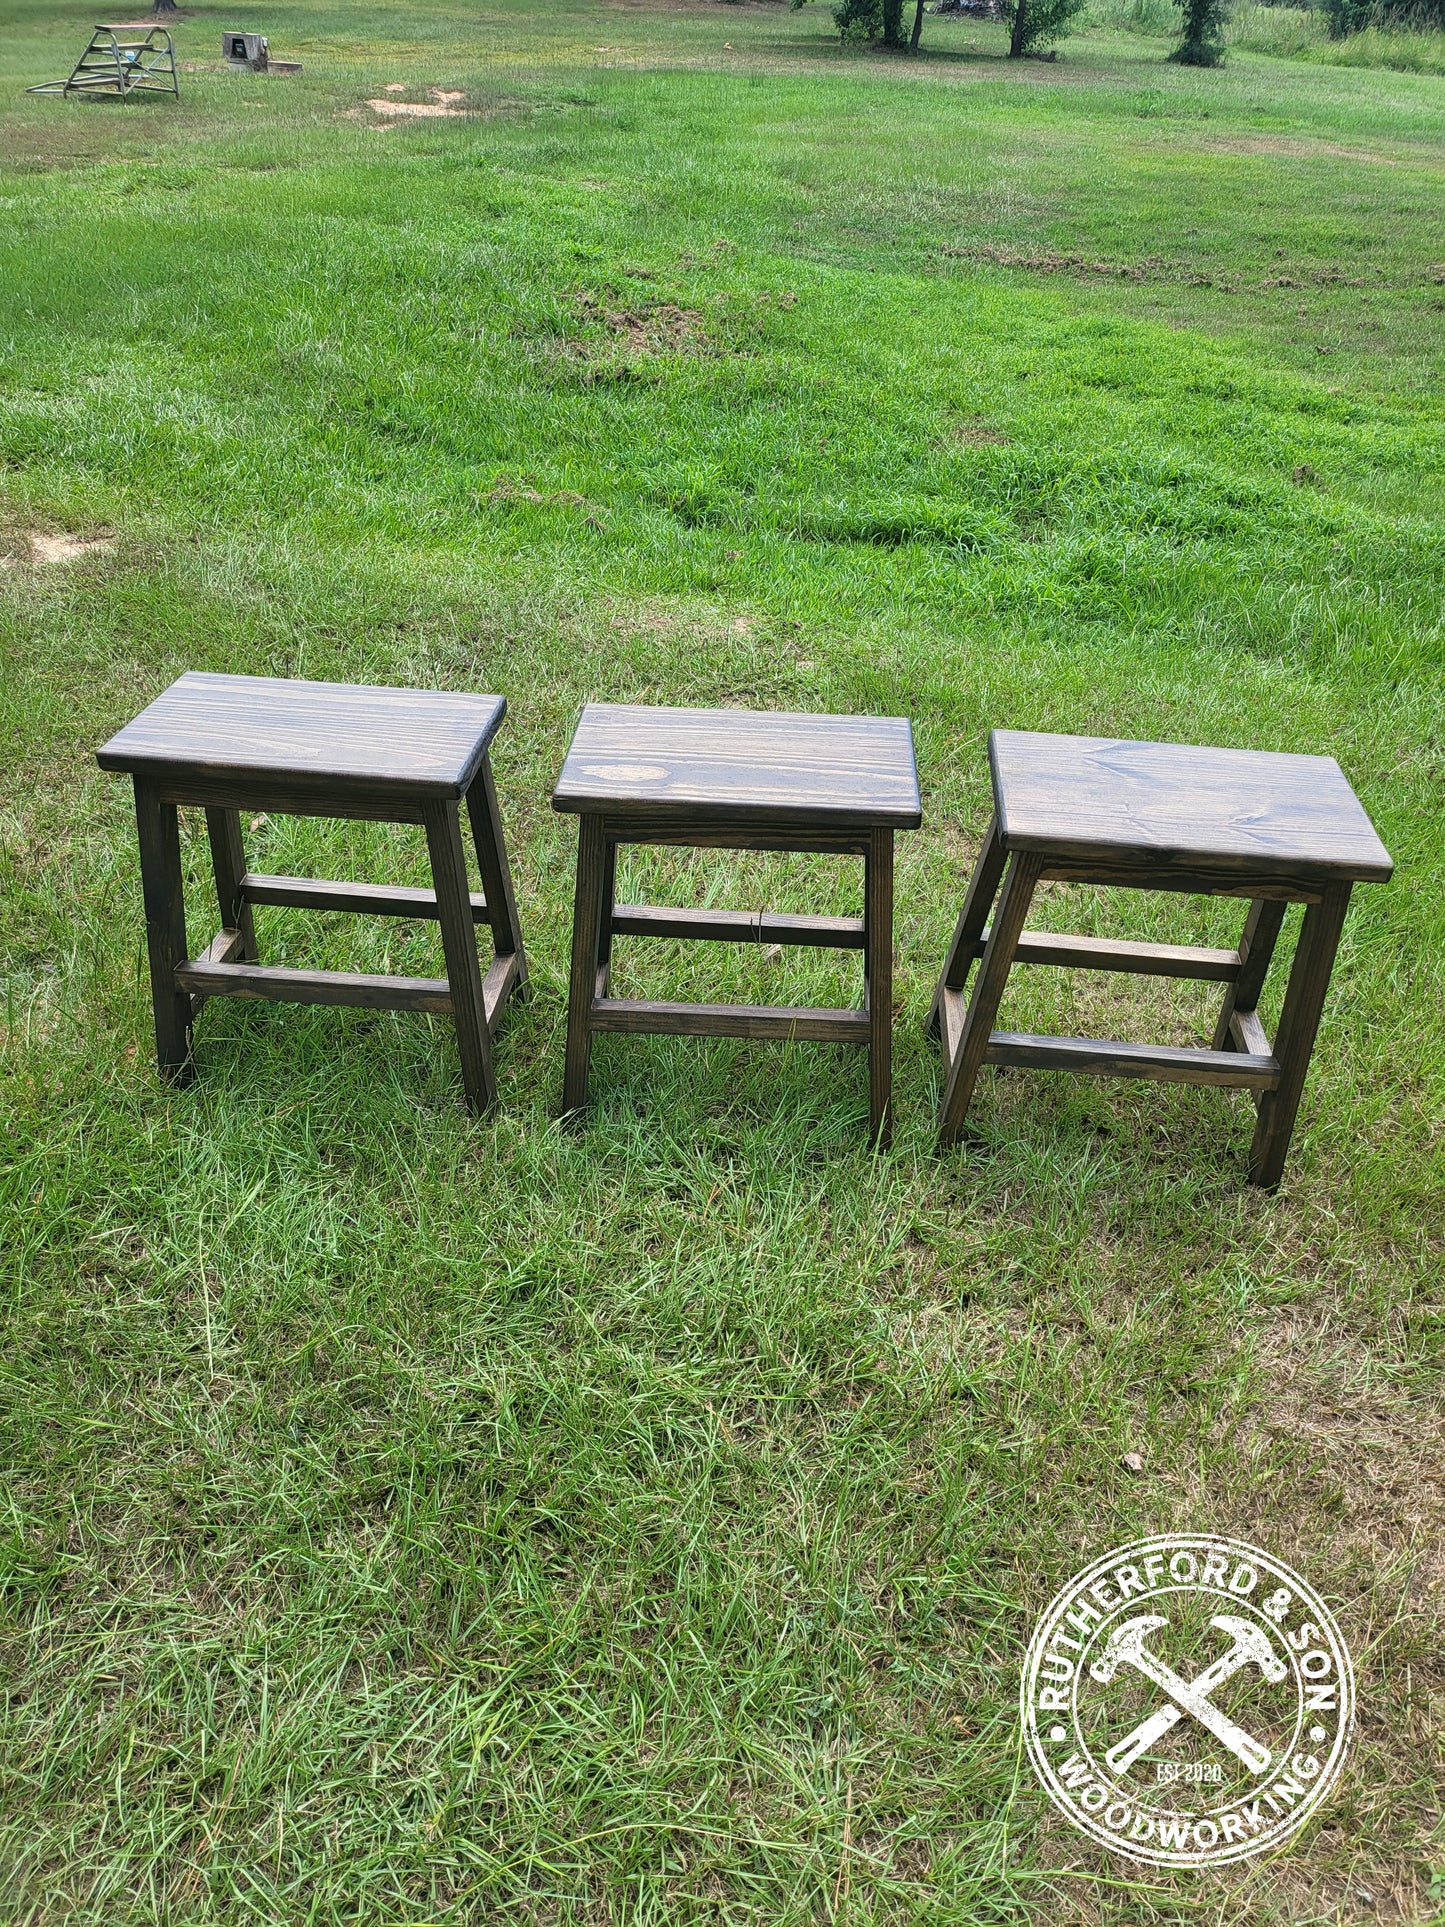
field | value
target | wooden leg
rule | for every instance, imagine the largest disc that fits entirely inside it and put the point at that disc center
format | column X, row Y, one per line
column 496, row 871
column 604, row 919
column 459, row 942
column 878, row 978
column 1256, row 948
column 228, row 861
column 1309, row 979
column 586, row 940
column 982, row 889
column 1008, row 923
column 165, row 910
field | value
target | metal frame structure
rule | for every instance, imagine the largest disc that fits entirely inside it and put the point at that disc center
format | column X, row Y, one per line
column 115, row 64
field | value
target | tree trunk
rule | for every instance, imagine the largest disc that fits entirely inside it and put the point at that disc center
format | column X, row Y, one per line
column 893, row 23
column 917, row 28
column 1021, row 26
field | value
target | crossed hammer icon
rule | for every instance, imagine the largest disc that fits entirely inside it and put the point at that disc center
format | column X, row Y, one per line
column 1125, row 1647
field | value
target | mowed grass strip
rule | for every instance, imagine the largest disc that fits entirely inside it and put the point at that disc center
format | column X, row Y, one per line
column 414, row 1519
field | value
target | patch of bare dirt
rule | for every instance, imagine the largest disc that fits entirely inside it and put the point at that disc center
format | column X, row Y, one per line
column 50, row 549
column 1051, row 261
column 977, row 433
column 439, row 106
column 506, row 490
column 1289, row 146
column 653, row 328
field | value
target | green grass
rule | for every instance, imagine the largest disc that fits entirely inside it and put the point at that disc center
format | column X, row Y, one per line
column 414, row 1519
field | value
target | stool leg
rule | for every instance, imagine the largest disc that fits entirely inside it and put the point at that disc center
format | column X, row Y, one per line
column 1008, row 923
column 586, row 944
column 982, row 889
column 496, row 872
column 159, row 832
column 228, row 861
column 1256, row 948
column 1309, row 979
column 603, row 978
column 878, row 979
column 459, row 942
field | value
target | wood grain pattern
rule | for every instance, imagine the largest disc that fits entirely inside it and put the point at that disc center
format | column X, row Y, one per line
column 738, row 926
column 587, row 907
column 459, row 944
column 776, row 1021
column 1103, row 1058
column 1304, row 1000
column 785, row 770
column 1020, row 881
column 334, row 738
column 228, row 865
column 1112, row 953
column 275, row 983
column 1179, row 803
column 500, row 897
column 982, row 889
column 363, row 899
column 158, row 830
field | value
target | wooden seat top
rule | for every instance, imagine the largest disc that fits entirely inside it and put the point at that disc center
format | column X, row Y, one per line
column 762, row 766
column 352, row 736
column 1232, row 809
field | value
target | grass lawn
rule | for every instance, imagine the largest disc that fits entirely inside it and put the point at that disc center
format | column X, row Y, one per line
column 413, row 1519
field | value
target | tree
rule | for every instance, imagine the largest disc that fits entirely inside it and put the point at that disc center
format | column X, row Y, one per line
column 1203, row 42
column 1037, row 23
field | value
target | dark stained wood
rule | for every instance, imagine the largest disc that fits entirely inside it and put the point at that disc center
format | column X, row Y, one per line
column 364, row 899
column 1247, row 1034
column 731, row 1020
column 274, row 983
column 742, row 780
column 738, row 926
column 504, row 977
column 322, row 749
column 720, row 831
column 982, row 889
column 780, row 770
column 226, row 946
column 1020, row 880
column 878, row 925
column 228, row 863
column 1111, row 953
column 1256, row 948
column 1138, row 873
column 586, row 938
column 605, row 912
column 1164, row 816
column 338, row 740
column 1304, row 999
column 1106, row 1059
column 159, row 833
column 459, row 944
column 491, row 845
column 1250, row 811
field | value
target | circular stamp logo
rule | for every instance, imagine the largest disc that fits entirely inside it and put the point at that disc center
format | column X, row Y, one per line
column 1187, row 1700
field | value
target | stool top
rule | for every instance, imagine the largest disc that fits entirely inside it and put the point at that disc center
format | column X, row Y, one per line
column 763, row 766
column 1234, row 809
column 346, row 736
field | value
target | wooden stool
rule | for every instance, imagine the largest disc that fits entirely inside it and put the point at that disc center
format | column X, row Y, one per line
column 739, row 780
column 229, row 743
column 1160, row 816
